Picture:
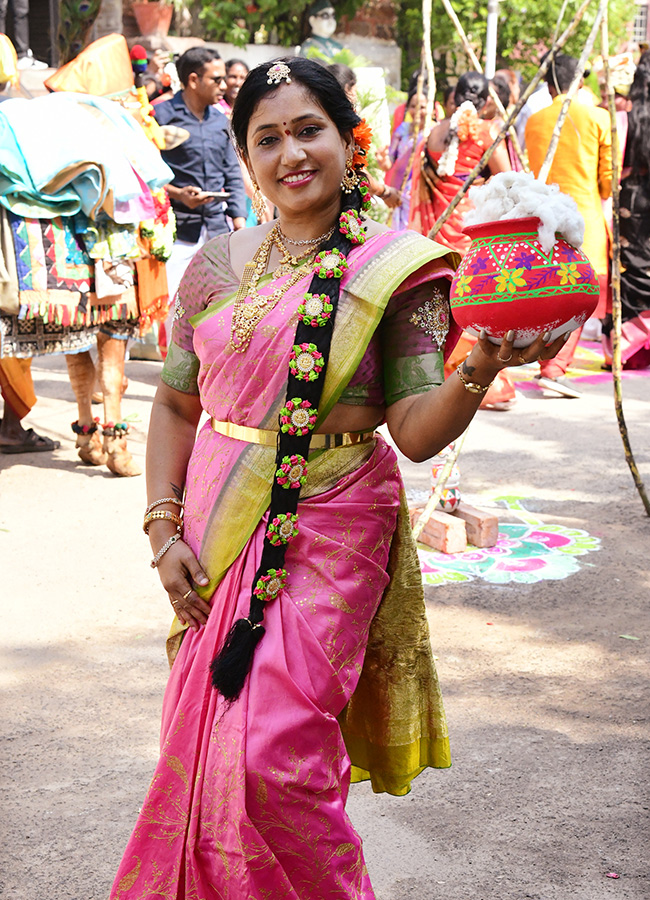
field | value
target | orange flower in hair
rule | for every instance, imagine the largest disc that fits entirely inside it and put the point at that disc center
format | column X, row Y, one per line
column 362, row 139
column 468, row 125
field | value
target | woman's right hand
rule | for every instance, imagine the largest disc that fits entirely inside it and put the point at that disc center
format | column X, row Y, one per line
column 179, row 571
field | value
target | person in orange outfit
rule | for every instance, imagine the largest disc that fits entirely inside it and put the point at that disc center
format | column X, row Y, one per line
column 17, row 390
column 582, row 167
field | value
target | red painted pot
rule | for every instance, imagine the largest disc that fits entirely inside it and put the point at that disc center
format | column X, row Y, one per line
column 507, row 281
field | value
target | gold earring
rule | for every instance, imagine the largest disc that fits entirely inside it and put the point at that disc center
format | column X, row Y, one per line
column 259, row 203
column 350, row 178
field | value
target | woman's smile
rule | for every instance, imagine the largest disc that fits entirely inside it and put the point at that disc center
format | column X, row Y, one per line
column 297, row 179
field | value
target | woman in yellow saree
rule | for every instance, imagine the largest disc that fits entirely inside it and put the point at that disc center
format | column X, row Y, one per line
column 301, row 658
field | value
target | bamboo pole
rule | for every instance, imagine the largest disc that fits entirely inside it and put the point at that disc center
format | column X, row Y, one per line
column 428, row 63
column 434, row 499
column 573, row 90
column 479, row 68
column 478, row 168
column 616, row 276
column 559, row 19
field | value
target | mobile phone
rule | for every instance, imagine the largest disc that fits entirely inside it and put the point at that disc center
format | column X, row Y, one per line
column 215, row 195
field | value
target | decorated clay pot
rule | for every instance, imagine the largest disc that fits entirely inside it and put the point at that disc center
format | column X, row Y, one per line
column 449, row 499
column 507, row 281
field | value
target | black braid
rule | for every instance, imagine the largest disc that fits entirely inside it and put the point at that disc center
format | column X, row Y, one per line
column 232, row 664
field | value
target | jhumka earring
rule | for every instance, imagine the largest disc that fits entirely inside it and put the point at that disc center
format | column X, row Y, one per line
column 259, row 203
column 350, row 178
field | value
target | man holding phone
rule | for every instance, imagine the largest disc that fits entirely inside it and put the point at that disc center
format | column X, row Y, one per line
column 207, row 183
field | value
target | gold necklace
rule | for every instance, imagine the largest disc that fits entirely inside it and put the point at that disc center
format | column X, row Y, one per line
column 317, row 240
column 247, row 316
column 288, row 261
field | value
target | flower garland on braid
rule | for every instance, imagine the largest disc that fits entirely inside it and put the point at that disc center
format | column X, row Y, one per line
column 307, row 369
column 463, row 125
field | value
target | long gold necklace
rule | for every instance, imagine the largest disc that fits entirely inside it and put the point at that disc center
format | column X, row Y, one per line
column 247, row 315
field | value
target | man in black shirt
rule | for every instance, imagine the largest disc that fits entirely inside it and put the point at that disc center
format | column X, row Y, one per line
column 203, row 164
column 206, row 161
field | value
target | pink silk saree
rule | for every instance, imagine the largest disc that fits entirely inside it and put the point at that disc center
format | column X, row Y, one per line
column 248, row 801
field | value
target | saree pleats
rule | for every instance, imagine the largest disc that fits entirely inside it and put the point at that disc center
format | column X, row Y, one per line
column 248, row 800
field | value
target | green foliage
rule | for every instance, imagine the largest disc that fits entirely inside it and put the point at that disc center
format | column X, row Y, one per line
column 524, row 33
column 236, row 21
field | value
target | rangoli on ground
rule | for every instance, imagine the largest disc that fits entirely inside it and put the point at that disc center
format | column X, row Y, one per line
column 525, row 553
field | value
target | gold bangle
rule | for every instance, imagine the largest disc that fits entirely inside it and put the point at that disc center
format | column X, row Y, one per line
column 472, row 386
column 161, row 501
column 165, row 515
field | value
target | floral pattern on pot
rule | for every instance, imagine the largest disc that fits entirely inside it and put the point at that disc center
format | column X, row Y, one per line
column 507, row 281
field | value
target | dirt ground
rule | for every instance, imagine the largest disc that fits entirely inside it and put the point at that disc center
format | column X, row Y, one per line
column 547, row 702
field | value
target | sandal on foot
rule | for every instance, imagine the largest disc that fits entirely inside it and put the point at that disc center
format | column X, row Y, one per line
column 31, row 443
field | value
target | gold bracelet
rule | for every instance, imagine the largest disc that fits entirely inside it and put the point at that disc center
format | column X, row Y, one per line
column 161, row 501
column 472, row 386
column 164, row 514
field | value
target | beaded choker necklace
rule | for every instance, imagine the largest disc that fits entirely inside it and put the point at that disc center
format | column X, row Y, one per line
column 309, row 241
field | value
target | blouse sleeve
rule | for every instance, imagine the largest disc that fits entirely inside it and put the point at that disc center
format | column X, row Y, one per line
column 206, row 278
column 413, row 333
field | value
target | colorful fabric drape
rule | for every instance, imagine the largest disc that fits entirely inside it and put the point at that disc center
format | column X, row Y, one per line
column 247, row 801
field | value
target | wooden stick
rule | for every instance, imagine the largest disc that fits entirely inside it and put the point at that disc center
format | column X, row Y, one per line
column 570, row 94
column 434, row 499
column 428, row 63
column 469, row 50
column 616, row 276
column 478, row 168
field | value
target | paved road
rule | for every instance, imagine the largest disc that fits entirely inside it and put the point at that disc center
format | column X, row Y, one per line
column 547, row 703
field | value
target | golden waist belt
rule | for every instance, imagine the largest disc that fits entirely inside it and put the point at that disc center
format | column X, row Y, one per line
column 270, row 438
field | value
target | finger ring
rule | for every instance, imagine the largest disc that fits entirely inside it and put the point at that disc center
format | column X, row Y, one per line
column 174, row 603
column 522, row 361
column 185, row 596
column 501, row 359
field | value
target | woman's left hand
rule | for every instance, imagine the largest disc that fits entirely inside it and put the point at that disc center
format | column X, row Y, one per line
column 505, row 354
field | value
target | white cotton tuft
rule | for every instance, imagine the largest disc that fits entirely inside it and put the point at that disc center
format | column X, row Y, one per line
column 515, row 195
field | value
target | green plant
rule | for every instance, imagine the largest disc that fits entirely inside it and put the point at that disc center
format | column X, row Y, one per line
column 524, row 32
column 236, row 20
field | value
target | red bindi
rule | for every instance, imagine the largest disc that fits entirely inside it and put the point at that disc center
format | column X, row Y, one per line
column 286, row 131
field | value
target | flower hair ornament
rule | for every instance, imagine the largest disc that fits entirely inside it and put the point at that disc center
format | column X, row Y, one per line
column 462, row 125
column 277, row 73
column 362, row 134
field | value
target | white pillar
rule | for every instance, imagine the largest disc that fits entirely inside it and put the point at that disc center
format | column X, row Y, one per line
column 491, row 38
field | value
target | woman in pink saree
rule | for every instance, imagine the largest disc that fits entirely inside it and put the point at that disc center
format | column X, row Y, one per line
column 248, row 799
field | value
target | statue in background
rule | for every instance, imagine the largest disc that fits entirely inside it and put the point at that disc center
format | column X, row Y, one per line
column 322, row 22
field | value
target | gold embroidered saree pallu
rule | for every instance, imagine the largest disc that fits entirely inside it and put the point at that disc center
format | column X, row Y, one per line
column 248, row 800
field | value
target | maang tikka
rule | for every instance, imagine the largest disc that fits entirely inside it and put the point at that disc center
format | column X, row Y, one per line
column 277, row 73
